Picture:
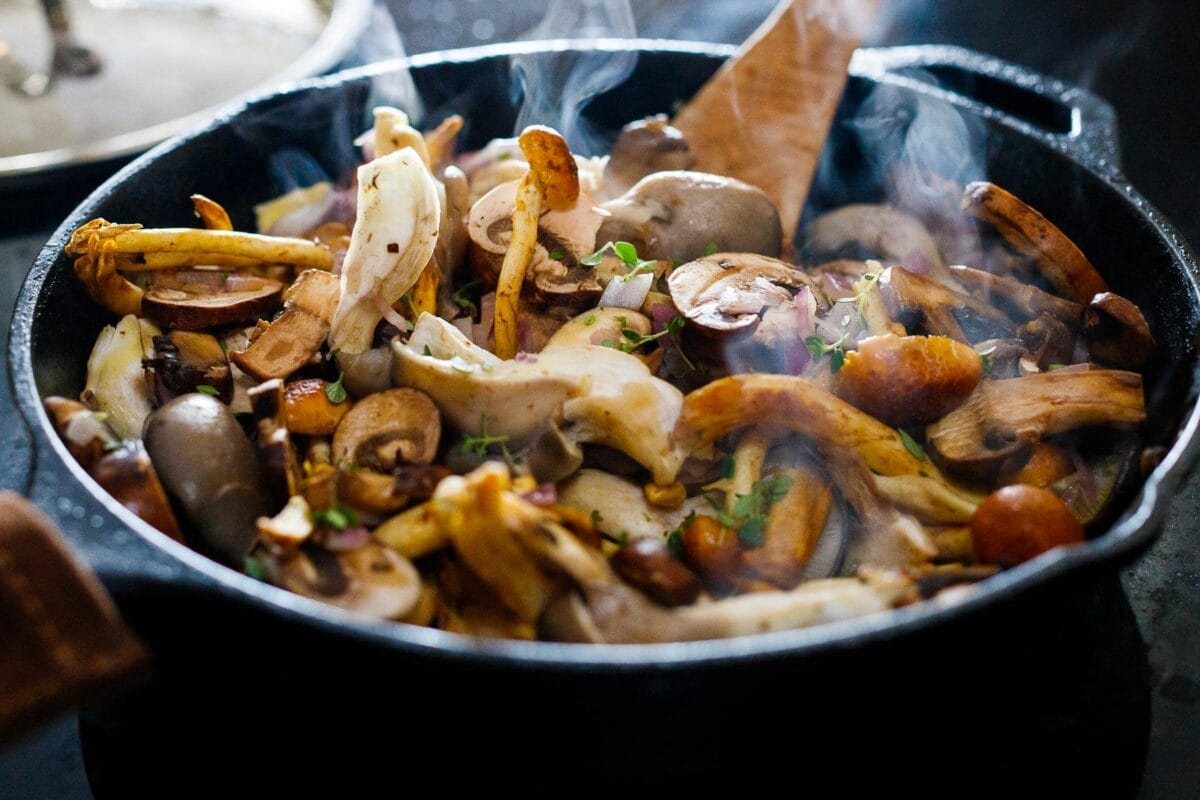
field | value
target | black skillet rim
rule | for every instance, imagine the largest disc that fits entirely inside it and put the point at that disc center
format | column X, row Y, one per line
column 1134, row 529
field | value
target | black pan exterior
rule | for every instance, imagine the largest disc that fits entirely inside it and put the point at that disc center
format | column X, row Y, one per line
column 232, row 647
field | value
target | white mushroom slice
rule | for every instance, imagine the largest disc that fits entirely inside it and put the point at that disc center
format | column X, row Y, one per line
column 394, row 236
column 290, row 527
column 618, row 506
column 116, row 381
column 603, row 395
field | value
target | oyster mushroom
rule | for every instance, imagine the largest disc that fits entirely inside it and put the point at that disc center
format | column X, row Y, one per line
column 862, row 231
column 207, row 464
column 680, row 215
column 918, row 301
column 642, row 148
column 1117, row 333
column 1020, row 300
column 387, row 429
column 618, row 506
column 1002, row 417
column 729, row 292
column 835, row 429
column 371, row 580
column 599, row 394
column 1056, row 257
column 393, row 239
column 116, row 382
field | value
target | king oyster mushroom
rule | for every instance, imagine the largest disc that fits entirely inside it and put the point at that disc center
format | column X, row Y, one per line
column 600, row 394
column 680, row 215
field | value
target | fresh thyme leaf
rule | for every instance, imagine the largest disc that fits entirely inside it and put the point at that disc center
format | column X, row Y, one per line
column 460, row 298
column 632, row 335
column 338, row 517
column 1055, row 367
column 609, row 343
column 837, row 357
column 710, row 248
column 479, row 444
column 211, row 391
column 425, row 351
column 911, row 445
column 254, row 568
column 675, row 324
column 748, row 516
column 557, row 255
column 819, row 348
column 626, row 252
column 336, row 392
column 675, row 536
column 590, row 319
column 985, row 358
column 728, row 468
column 596, row 518
column 504, row 156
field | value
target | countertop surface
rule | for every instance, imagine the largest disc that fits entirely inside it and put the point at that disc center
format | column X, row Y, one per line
column 1139, row 56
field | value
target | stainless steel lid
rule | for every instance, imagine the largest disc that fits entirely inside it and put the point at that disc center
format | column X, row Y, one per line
column 166, row 66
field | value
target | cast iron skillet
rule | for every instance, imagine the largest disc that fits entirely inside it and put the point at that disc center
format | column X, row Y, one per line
column 1051, row 144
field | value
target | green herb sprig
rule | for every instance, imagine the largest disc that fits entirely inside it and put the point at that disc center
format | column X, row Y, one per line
column 627, row 253
column 820, row 348
column 479, row 445
column 748, row 516
column 336, row 392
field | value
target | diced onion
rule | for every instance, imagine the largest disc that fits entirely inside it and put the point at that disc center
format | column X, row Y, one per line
column 621, row 293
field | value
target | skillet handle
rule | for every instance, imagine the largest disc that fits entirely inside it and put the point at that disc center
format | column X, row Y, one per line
column 1070, row 119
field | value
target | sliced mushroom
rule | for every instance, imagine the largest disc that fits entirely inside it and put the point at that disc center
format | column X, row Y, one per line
column 862, row 231
column 127, row 474
column 1117, row 333
column 186, row 360
column 1049, row 341
column 276, row 453
column 116, row 382
column 793, row 527
column 551, row 456
column 176, row 309
column 371, row 580
column 207, row 464
column 727, row 292
column 369, row 493
column 917, row 301
column 1020, row 300
column 908, row 380
column 1002, row 417
column 386, row 429
column 598, row 326
column 297, row 334
column 1030, row 233
column 642, row 148
column 680, row 215
column 366, row 372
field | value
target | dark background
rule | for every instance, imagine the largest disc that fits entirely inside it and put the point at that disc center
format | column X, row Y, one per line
column 1142, row 57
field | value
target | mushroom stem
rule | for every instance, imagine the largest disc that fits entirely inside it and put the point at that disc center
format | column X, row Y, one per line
column 516, row 260
column 748, row 458
column 135, row 241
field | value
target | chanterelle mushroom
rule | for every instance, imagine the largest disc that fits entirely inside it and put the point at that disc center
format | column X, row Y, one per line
column 602, row 395
column 681, row 215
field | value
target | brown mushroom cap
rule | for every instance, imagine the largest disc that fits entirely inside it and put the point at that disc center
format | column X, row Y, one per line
column 727, row 292
column 172, row 308
column 679, row 215
column 296, row 336
column 371, row 580
column 399, row 426
column 127, row 474
column 642, row 148
column 1117, row 332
